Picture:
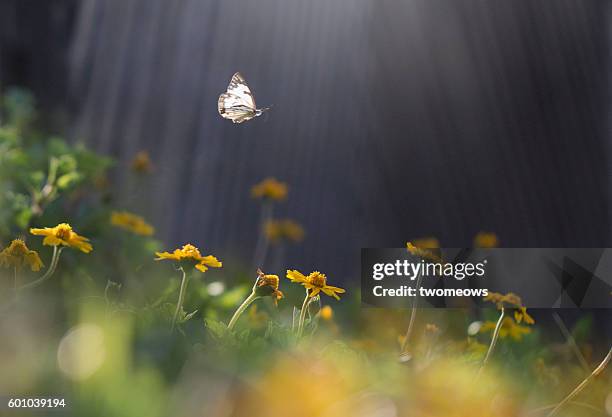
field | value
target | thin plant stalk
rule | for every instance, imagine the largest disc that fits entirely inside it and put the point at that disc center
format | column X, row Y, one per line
column 181, row 299
column 245, row 304
column 577, row 404
column 52, row 267
column 15, row 277
column 494, row 339
column 596, row 372
column 261, row 248
column 413, row 314
column 305, row 305
column 293, row 317
column 571, row 341
column 242, row 308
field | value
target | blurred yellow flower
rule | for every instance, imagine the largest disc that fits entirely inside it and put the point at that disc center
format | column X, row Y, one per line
column 189, row 254
column 267, row 285
column 277, row 230
column 131, row 222
column 63, row 235
column 509, row 328
column 511, row 301
column 270, row 189
column 326, row 313
column 142, row 163
column 315, row 282
column 425, row 248
column 426, row 243
column 432, row 329
column 486, row 240
column 17, row 254
column 474, row 347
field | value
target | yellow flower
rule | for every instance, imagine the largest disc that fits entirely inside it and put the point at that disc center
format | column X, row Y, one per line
column 315, row 282
column 131, row 222
column 326, row 313
column 486, row 240
column 267, row 285
column 63, row 235
column 17, row 254
column 509, row 328
column 190, row 255
column 276, row 230
column 513, row 302
column 425, row 248
column 271, row 189
column 142, row 163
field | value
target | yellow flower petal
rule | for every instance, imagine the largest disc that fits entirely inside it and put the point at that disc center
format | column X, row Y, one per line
column 296, row 276
column 33, row 260
column 165, row 255
column 211, row 261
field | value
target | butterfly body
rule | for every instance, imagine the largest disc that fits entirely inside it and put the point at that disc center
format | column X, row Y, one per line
column 238, row 103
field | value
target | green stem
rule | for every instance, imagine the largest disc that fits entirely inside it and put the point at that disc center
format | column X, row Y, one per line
column 305, row 305
column 494, row 339
column 54, row 261
column 600, row 368
column 245, row 304
column 181, row 299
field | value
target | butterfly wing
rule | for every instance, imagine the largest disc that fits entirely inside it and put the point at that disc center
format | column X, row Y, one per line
column 239, row 87
column 237, row 103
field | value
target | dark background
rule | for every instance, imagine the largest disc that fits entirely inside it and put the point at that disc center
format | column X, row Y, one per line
column 391, row 120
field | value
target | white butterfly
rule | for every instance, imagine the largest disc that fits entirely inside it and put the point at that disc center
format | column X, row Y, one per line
column 237, row 103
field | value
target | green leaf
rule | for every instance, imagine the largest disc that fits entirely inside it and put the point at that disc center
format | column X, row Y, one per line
column 22, row 219
column 68, row 180
column 217, row 329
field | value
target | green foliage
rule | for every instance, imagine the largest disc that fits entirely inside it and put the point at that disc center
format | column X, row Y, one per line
column 37, row 170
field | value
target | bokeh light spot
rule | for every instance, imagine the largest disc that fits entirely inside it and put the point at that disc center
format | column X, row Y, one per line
column 81, row 351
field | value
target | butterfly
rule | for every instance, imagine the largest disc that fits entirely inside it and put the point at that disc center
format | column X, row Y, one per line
column 237, row 103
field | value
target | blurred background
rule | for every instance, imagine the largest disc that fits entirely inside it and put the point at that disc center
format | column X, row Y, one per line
column 390, row 120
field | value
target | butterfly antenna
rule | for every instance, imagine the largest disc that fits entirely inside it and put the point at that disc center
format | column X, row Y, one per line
column 265, row 110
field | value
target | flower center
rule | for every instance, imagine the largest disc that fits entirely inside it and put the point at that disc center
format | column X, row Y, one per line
column 318, row 279
column 18, row 248
column 63, row 232
column 190, row 251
